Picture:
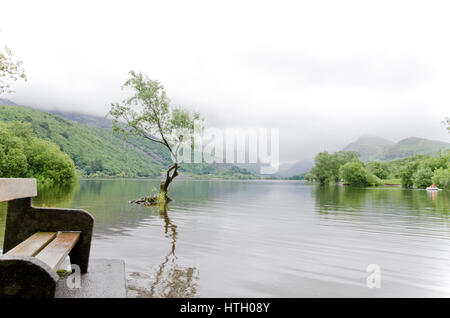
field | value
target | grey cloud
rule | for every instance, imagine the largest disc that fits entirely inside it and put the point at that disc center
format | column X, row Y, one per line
column 376, row 71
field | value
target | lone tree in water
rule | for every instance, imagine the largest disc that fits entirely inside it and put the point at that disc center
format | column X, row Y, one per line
column 148, row 114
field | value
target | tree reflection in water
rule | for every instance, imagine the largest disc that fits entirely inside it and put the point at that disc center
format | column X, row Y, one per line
column 171, row 280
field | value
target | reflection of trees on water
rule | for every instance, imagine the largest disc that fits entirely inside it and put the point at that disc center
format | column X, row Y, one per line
column 345, row 200
column 108, row 200
column 170, row 280
column 56, row 196
column 336, row 199
column 415, row 202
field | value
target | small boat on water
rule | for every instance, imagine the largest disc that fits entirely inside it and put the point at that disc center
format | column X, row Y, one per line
column 433, row 188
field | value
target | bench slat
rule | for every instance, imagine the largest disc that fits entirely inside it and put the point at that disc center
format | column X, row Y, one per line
column 32, row 245
column 55, row 252
column 17, row 188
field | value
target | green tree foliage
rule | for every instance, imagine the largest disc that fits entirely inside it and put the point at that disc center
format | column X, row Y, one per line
column 418, row 171
column 406, row 173
column 149, row 115
column 422, row 178
column 309, row 177
column 379, row 169
column 95, row 166
column 441, row 178
column 300, row 176
column 236, row 173
column 24, row 156
column 355, row 174
column 346, row 156
column 326, row 168
column 437, row 162
column 10, row 70
column 374, row 180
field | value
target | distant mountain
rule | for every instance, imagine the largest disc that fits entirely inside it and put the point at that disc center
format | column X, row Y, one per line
column 373, row 148
column 285, row 170
column 414, row 146
column 7, row 102
column 295, row 168
column 369, row 147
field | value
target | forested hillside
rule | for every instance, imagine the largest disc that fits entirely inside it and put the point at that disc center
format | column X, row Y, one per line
column 97, row 152
column 93, row 149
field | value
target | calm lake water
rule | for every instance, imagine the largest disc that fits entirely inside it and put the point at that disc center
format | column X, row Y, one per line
column 267, row 239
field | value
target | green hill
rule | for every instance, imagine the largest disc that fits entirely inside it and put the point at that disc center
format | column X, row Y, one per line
column 369, row 147
column 97, row 152
column 375, row 148
column 93, row 149
column 414, row 146
column 90, row 120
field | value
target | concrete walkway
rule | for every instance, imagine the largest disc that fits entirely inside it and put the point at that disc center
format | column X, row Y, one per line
column 105, row 279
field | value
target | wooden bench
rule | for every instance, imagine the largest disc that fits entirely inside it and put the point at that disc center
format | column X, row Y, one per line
column 38, row 240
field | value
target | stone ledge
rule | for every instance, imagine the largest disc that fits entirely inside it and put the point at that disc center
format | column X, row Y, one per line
column 105, row 279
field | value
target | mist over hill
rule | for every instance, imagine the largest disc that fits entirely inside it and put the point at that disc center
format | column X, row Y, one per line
column 95, row 150
column 370, row 148
column 90, row 120
column 373, row 148
column 292, row 169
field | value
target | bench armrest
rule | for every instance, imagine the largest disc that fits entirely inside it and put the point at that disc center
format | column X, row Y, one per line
column 23, row 220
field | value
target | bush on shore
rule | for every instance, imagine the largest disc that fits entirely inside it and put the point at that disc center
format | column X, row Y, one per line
column 24, row 156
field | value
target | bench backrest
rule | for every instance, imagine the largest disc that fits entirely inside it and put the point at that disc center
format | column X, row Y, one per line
column 17, row 188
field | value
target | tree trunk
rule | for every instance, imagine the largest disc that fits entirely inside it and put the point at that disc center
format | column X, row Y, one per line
column 164, row 186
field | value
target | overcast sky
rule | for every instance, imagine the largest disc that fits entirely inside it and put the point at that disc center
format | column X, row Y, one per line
column 324, row 72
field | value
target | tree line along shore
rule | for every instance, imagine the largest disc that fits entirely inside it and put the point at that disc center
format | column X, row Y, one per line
column 419, row 171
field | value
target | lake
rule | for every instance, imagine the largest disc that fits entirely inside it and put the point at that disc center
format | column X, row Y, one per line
column 267, row 238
